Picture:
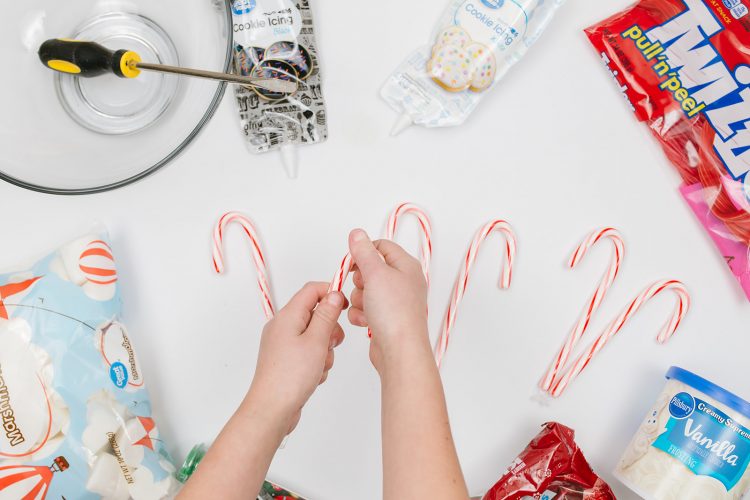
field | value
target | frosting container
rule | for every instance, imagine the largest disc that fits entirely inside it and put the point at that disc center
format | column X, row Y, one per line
column 693, row 444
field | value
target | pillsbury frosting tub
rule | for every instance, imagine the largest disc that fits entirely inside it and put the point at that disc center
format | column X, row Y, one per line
column 693, row 444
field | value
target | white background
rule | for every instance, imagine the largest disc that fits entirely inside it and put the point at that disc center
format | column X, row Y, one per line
column 554, row 149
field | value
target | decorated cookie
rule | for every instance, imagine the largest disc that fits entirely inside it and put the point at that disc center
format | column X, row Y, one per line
column 453, row 35
column 294, row 54
column 274, row 69
column 450, row 68
column 247, row 59
column 483, row 66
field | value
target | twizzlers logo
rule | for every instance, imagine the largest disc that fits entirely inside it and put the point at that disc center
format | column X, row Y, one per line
column 688, row 65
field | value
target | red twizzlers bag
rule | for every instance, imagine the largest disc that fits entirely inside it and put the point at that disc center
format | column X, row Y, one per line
column 552, row 467
column 684, row 65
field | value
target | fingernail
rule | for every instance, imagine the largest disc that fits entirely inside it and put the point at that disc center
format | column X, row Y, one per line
column 359, row 235
column 336, row 299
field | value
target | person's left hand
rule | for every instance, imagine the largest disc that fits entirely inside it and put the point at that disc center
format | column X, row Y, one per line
column 296, row 353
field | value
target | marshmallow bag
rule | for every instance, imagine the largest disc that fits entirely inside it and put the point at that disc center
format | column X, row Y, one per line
column 75, row 414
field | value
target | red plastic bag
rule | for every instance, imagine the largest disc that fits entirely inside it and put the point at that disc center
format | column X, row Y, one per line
column 684, row 67
column 552, row 467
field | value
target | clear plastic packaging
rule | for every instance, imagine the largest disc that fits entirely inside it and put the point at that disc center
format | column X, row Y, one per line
column 76, row 417
column 694, row 444
column 276, row 39
column 474, row 45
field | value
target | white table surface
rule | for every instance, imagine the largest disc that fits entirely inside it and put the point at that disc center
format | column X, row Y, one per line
column 554, row 149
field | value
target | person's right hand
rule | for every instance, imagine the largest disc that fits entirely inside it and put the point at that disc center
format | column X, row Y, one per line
column 390, row 297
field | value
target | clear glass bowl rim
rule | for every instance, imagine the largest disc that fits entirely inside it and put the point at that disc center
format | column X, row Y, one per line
column 212, row 107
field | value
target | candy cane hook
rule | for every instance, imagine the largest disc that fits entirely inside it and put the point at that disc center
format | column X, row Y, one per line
column 579, row 329
column 425, row 250
column 425, row 226
column 680, row 310
column 257, row 253
column 462, row 282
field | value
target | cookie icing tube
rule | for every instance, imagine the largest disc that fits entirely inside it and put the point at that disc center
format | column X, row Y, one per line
column 579, row 329
column 473, row 47
column 680, row 310
column 257, row 254
column 462, row 282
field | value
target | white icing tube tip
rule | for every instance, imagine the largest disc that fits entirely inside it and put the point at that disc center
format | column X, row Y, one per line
column 289, row 159
column 404, row 121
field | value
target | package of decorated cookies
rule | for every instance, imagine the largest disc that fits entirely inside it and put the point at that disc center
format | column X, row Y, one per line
column 473, row 46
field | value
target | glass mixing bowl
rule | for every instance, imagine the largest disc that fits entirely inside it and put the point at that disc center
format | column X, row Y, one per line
column 68, row 135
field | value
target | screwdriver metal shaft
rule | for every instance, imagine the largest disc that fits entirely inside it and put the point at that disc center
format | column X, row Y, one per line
column 270, row 84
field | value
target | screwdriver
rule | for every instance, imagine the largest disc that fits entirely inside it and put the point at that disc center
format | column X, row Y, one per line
column 89, row 59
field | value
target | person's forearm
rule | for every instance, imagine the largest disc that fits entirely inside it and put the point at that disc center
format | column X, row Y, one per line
column 419, row 457
column 237, row 462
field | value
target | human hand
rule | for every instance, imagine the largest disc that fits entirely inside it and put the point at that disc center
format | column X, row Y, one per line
column 390, row 297
column 296, row 354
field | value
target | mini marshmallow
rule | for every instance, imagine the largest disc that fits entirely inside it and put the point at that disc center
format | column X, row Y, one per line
column 104, row 415
column 106, row 478
column 130, row 452
column 145, row 488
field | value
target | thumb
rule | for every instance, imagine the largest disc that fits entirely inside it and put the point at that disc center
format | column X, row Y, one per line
column 325, row 317
column 365, row 255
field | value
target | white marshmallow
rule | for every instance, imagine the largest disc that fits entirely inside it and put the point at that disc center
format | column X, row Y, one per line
column 106, row 478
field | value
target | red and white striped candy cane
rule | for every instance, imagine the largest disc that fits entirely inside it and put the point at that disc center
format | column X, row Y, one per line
column 257, row 253
column 681, row 309
column 425, row 226
column 579, row 329
column 425, row 255
column 463, row 278
column 337, row 284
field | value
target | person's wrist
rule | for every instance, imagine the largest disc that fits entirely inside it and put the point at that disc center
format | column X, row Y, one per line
column 406, row 349
column 268, row 410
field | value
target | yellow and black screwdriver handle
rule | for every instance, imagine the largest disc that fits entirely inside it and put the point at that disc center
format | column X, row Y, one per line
column 88, row 59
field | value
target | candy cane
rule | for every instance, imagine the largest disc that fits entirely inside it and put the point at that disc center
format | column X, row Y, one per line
column 463, row 278
column 425, row 253
column 257, row 253
column 681, row 309
column 580, row 328
column 337, row 284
